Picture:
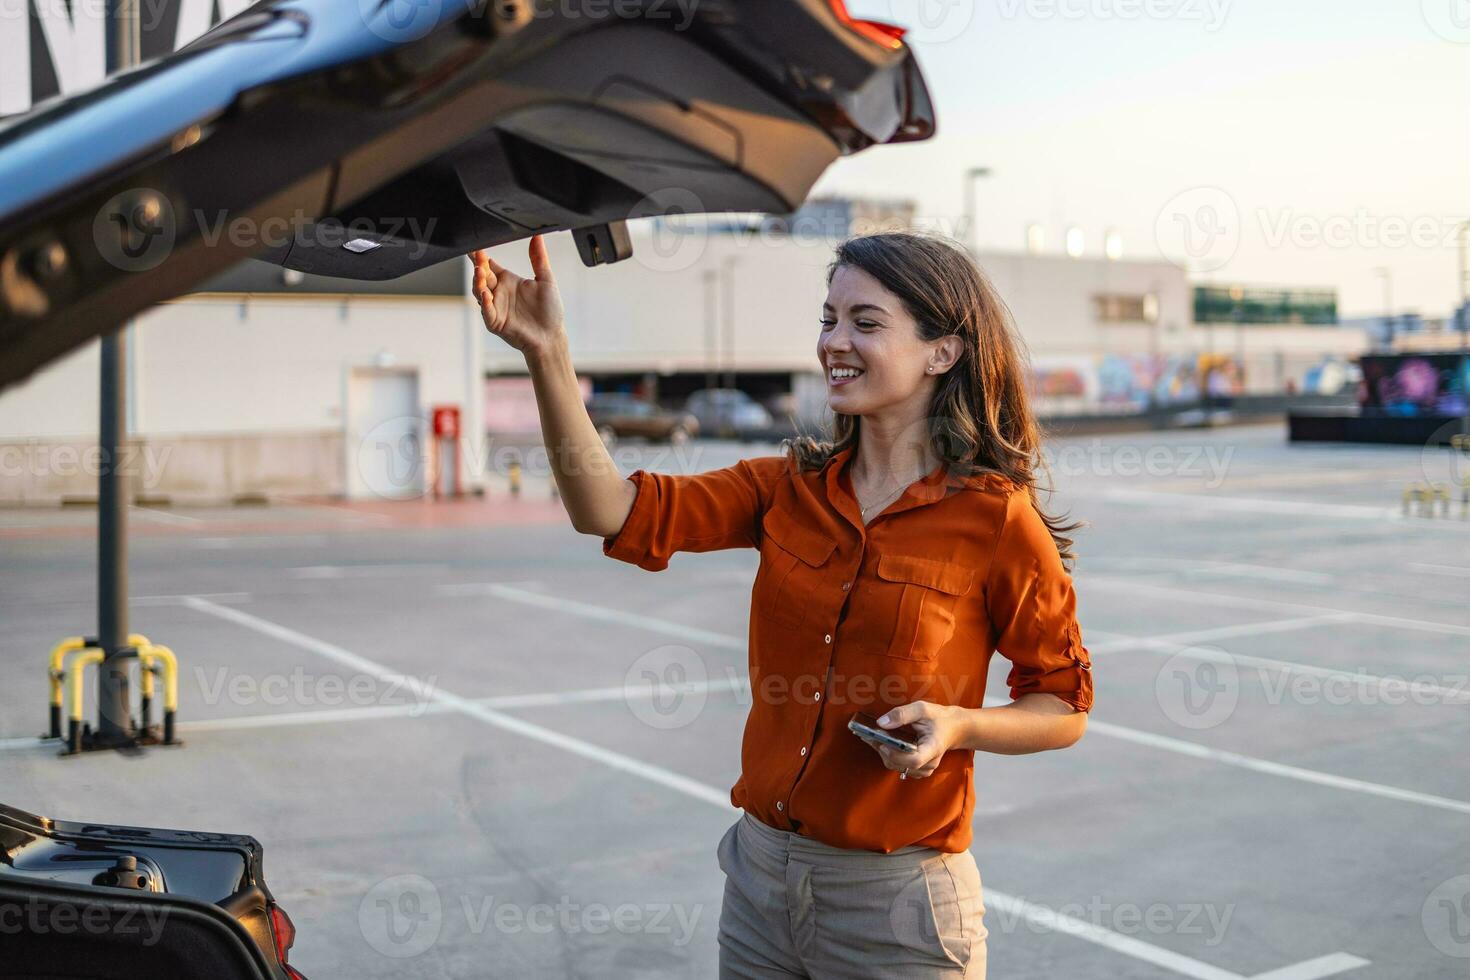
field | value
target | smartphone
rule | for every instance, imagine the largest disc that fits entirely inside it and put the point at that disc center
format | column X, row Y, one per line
column 905, row 738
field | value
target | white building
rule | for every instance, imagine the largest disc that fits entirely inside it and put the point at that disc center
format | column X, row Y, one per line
column 248, row 394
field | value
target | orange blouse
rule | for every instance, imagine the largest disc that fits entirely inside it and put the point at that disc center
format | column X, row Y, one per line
column 846, row 617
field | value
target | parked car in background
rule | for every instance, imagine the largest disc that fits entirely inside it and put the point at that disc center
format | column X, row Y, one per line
column 98, row 900
column 729, row 413
column 618, row 415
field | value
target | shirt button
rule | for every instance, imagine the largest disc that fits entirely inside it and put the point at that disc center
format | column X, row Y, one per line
column 780, row 805
column 827, row 638
column 846, row 586
column 817, row 696
column 803, row 750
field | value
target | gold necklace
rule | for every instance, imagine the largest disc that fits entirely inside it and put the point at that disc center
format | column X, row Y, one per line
column 889, row 499
column 863, row 511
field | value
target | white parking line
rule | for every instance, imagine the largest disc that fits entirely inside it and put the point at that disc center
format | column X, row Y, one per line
column 364, row 571
column 1201, row 567
column 1040, row 915
column 1218, row 503
column 1176, row 745
column 1048, row 918
column 1194, row 749
column 1251, row 602
column 164, row 517
column 1177, row 644
column 1434, row 569
column 608, row 615
column 179, row 600
column 479, row 712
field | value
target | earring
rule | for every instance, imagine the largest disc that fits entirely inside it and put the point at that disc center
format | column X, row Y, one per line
column 929, row 369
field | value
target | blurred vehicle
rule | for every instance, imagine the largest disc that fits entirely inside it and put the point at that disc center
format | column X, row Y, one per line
column 729, row 413
column 383, row 138
column 132, row 903
column 619, row 415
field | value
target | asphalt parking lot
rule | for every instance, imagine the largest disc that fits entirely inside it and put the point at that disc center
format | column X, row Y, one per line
column 442, row 722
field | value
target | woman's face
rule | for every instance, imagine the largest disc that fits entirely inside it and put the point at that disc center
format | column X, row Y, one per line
column 865, row 327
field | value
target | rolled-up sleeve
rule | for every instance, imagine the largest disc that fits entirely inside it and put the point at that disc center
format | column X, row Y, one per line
column 1033, row 610
column 692, row 512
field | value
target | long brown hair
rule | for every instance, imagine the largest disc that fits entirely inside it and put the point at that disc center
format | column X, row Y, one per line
column 980, row 419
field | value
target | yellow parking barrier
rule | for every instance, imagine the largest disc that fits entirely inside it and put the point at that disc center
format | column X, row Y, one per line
column 147, row 654
column 1417, row 492
column 92, row 655
column 56, row 672
column 1441, row 496
column 153, row 659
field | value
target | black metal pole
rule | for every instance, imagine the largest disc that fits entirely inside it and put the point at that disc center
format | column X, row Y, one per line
column 114, row 726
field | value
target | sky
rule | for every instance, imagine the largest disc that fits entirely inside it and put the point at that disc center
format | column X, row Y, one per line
column 1262, row 142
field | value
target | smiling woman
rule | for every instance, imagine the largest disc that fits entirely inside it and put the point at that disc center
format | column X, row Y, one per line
column 895, row 560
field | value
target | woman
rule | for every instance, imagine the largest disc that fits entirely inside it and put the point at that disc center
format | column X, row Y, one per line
column 894, row 561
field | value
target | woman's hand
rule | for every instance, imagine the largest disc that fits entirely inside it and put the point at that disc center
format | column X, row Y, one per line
column 939, row 729
column 525, row 313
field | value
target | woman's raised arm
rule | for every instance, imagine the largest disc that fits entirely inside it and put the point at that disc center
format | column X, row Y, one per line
column 528, row 315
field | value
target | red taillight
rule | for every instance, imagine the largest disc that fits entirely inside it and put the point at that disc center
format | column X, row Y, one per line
column 284, row 932
column 888, row 35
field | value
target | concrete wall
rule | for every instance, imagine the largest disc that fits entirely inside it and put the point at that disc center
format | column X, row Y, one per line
column 239, row 395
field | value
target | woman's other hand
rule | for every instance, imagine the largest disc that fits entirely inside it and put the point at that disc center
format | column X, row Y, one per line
column 938, row 726
column 525, row 313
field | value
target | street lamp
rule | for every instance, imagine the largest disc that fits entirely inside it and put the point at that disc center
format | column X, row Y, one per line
column 971, row 235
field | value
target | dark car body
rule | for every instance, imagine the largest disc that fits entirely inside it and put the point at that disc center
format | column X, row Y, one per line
column 618, row 416
column 368, row 140
column 135, row 903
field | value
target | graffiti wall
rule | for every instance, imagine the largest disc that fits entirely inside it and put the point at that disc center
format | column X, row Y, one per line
column 1131, row 382
column 1415, row 384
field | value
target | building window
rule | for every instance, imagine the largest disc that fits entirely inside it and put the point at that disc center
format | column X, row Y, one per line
column 1123, row 308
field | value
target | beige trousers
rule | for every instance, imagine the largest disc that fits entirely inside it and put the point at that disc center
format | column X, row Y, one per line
column 795, row 907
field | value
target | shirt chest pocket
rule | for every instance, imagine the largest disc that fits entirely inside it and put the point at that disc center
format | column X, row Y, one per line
column 929, row 592
column 791, row 572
